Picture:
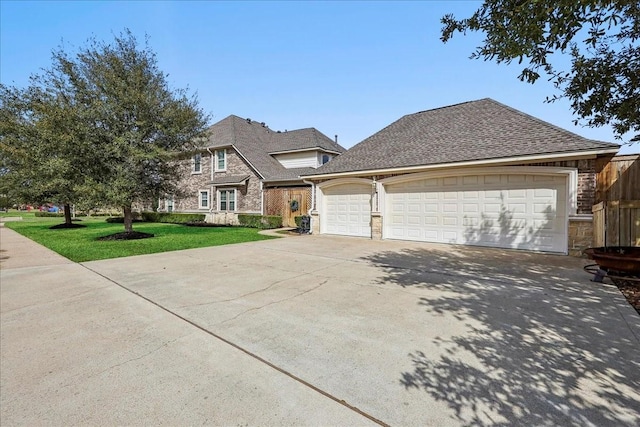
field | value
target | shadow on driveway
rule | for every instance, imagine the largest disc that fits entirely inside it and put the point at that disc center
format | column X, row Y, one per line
column 545, row 347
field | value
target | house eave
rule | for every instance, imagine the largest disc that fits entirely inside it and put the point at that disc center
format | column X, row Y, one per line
column 577, row 155
column 304, row 150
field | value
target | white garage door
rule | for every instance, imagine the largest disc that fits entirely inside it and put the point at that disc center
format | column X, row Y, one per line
column 347, row 210
column 507, row 211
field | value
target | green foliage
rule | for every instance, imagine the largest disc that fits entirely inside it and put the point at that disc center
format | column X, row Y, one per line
column 135, row 217
column 260, row 221
column 172, row 218
column 80, row 244
column 49, row 214
column 298, row 220
column 600, row 36
column 100, row 126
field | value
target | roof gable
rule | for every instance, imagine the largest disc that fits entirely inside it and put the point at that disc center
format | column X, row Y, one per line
column 254, row 141
column 471, row 131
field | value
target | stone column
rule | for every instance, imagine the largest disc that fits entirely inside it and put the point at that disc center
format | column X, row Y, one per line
column 315, row 222
column 376, row 226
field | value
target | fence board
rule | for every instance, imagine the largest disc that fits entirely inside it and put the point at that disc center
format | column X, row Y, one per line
column 278, row 202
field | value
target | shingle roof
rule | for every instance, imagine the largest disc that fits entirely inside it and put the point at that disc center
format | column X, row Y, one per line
column 229, row 179
column 471, row 131
column 255, row 141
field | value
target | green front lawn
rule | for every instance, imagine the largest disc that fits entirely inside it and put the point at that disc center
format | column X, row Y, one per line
column 80, row 244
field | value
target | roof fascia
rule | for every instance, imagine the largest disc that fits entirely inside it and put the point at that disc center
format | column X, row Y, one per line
column 302, row 150
column 490, row 162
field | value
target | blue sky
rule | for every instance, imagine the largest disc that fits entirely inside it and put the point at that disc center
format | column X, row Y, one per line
column 345, row 68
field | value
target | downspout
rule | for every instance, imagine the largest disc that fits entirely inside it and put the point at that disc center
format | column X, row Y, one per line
column 211, row 193
column 261, row 198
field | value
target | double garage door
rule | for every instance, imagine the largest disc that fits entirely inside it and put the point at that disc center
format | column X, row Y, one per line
column 502, row 210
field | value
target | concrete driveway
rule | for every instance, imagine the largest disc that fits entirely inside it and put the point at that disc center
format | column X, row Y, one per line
column 317, row 330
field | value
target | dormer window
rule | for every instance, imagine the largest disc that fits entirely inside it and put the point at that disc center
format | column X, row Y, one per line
column 196, row 163
column 325, row 158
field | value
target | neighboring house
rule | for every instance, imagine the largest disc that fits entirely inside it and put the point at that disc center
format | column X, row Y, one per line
column 476, row 173
column 245, row 167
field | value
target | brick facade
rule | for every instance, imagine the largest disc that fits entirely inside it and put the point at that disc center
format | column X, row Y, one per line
column 248, row 196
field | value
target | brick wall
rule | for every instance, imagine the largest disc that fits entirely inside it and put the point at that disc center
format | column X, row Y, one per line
column 248, row 195
column 191, row 184
column 586, row 181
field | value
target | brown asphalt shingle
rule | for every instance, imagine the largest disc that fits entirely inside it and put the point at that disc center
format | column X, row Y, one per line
column 255, row 141
column 475, row 130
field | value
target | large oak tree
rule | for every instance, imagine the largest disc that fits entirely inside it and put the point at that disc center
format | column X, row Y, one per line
column 121, row 125
column 600, row 37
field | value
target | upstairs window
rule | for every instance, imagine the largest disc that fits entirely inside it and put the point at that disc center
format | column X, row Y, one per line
column 325, row 158
column 221, row 160
column 196, row 162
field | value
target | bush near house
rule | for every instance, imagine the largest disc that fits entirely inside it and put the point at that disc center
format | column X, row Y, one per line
column 260, row 221
column 49, row 214
column 172, row 218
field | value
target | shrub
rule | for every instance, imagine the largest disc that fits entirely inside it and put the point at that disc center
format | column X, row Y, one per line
column 172, row 218
column 298, row 220
column 49, row 214
column 120, row 219
column 260, row 221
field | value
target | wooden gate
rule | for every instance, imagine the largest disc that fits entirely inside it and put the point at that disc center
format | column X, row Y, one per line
column 616, row 223
column 280, row 201
column 616, row 218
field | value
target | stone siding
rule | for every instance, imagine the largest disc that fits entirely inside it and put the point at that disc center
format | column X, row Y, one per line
column 376, row 226
column 191, row 183
column 580, row 235
column 248, row 196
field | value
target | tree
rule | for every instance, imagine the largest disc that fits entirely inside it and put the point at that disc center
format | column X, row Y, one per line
column 600, row 37
column 40, row 143
column 108, row 113
column 139, row 122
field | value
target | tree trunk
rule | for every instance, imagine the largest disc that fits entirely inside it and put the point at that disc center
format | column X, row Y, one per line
column 128, row 219
column 67, row 214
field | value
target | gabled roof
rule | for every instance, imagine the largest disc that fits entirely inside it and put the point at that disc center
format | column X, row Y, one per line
column 254, row 141
column 480, row 130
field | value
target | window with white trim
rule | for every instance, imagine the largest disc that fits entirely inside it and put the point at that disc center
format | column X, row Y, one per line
column 203, row 199
column 221, row 160
column 325, row 158
column 168, row 204
column 227, row 200
column 196, row 163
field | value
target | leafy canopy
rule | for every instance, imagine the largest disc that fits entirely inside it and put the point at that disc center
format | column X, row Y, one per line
column 101, row 125
column 599, row 37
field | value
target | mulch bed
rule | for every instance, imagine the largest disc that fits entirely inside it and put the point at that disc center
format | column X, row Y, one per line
column 133, row 235
column 631, row 291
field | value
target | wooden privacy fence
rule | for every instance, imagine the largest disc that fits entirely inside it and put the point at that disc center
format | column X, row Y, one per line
column 278, row 201
column 616, row 223
column 616, row 218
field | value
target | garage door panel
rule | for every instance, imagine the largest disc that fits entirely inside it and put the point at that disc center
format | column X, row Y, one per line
column 348, row 210
column 513, row 211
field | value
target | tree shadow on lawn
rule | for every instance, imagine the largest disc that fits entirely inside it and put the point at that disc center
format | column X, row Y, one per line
column 543, row 345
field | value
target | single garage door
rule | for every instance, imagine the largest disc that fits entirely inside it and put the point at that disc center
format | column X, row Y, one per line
column 347, row 210
column 506, row 211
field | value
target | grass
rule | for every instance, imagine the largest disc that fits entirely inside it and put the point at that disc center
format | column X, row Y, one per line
column 80, row 244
